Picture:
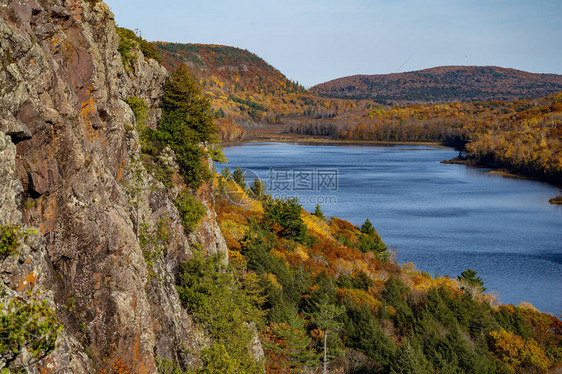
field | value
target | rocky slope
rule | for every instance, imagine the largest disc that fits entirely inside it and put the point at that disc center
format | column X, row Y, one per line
column 443, row 84
column 72, row 180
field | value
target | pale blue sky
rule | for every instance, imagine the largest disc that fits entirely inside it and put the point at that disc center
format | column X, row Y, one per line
column 313, row 41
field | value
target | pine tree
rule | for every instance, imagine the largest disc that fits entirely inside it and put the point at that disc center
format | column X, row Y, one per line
column 367, row 228
column 287, row 214
column 293, row 343
column 184, row 101
column 469, row 279
column 318, row 212
column 410, row 359
column 257, row 189
column 325, row 317
column 239, row 177
column 226, row 173
column 186, row 124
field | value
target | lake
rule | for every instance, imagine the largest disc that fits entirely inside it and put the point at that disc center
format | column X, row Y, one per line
column 443, row 218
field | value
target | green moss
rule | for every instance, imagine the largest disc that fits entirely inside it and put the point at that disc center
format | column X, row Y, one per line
column 162, row 172
column 125, row 48
column 153, row 242
column 167, row 366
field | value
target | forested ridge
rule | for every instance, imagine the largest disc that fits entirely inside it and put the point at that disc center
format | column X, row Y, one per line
column 443, row 84
column 522, row 136
column 245, row 90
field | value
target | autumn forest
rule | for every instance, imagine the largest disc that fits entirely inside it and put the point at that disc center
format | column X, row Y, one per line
column 138, row 234
column 322, row 291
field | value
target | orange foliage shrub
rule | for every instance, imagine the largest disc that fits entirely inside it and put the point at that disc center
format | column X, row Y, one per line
column 119, row 367
column 345, row 229
column 316, row 226
column 516, row 354
column 359, row 298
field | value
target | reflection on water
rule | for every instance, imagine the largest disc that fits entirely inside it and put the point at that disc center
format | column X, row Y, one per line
column 444, row 218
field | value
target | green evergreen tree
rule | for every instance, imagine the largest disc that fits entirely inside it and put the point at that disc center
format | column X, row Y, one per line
column 257, row 189
column 410, row 359
column 217, row 360
column 294, row 344
column 189, row 107
column 186, row 125
column 469, row 280
column 225, row 306
column 367, row 243
column 326, row 318
column 364, row 332
column 318, row 212
column 367, row 228
column 226, row 173
column 239, row 177
column 287, row 214
column 397, row 295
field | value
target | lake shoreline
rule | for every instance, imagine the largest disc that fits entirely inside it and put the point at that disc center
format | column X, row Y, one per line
column 317, row 140
column 323, row 141
column 428, row 210
column 501, row 171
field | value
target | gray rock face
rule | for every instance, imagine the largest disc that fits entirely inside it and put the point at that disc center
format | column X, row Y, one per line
column 69, row 167
column 9, row 187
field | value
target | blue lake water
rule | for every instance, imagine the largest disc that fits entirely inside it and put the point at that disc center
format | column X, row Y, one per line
column 443, row 218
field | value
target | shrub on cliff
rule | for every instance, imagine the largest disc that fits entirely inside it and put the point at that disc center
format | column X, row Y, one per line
column 9, row 240
column 226, row 304
column 191, row 211
column 186, row 126
column 139, row 108
column 29, row 326
column 128, row 40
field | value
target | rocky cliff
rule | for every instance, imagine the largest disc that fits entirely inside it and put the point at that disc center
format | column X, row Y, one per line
column 72, row 183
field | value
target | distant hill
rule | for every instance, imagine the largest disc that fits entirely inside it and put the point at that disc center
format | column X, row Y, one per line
column 237, row 69
column 443, row 84
column 246, row 90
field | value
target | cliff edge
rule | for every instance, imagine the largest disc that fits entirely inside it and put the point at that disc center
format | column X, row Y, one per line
column 78, row 202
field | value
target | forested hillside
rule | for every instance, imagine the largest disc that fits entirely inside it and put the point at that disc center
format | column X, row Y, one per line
column 327, row 292
column 443, row 84
column 245, row 90
column 523, row 136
